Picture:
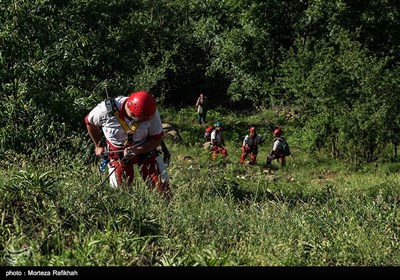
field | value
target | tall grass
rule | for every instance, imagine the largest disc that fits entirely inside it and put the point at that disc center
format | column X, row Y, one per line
column 316, row 212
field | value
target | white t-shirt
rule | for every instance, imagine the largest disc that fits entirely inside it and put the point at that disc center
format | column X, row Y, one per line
column 115, row 133
column 252, row 141
column 277, row 145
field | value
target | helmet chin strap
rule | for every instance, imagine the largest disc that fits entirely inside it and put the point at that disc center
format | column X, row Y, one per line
column 133, row 119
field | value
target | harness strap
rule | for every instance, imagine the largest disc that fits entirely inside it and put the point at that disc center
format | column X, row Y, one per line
column 120, row 118
column 112, row 105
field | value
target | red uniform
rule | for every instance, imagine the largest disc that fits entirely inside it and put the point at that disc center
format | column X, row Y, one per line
column 142, row 139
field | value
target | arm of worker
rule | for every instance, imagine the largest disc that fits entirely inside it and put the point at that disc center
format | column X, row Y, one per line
column 94, row 133
column 148, row 146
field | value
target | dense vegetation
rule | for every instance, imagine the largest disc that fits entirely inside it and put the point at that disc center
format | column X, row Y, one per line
column 337, row 62
column 326, row 71
column 317, row 212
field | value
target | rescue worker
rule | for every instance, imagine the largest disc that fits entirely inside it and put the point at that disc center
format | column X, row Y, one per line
column 133, row 130
column 218, row 141
column 277, row 149
column 250, row 146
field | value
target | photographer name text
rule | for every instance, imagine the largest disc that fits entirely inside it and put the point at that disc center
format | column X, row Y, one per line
column 31, row 272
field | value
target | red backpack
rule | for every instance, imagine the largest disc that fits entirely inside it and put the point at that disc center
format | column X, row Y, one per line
column 207, row 133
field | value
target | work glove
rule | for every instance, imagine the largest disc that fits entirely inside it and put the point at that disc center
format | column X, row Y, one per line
column 128, row 153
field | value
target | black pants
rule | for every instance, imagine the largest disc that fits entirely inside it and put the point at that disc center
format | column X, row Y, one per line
column 202, row 118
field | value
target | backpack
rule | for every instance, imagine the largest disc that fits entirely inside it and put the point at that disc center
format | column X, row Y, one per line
column 207, row 133
column 285, row 147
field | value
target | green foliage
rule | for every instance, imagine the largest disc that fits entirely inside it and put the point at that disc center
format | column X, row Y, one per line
column 317, row 211
column 343, row 99
column 334, row 63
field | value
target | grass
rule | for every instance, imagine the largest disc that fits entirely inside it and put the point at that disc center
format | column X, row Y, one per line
column 316, row 212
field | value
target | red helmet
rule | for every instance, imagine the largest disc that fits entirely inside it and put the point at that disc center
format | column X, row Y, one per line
column 278, row 132
column 142, row 105
column 252, row 129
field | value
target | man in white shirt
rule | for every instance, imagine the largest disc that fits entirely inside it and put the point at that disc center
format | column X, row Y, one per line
column 250, row 146
column 133, row 130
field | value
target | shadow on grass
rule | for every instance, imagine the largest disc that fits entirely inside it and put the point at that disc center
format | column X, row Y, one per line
column 292, row 197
